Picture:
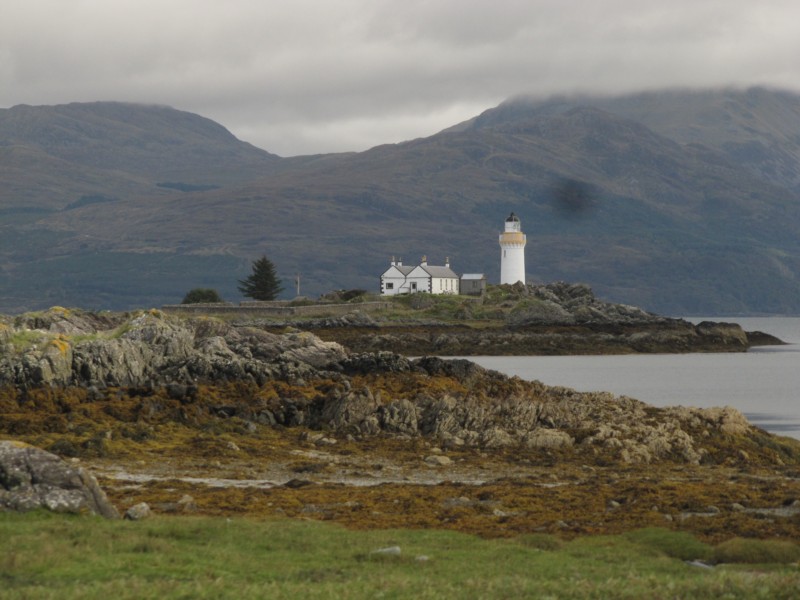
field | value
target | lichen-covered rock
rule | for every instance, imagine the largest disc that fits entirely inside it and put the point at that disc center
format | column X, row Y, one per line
column 353, row 411
column 399, row 416
column 568, row 303
column 152, row 348
column 68, row 321
column 726, row 419
column 304, row 347
column 32, row 478
column 548, row 438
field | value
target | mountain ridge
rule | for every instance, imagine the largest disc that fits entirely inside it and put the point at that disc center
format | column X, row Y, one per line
column 644, row 215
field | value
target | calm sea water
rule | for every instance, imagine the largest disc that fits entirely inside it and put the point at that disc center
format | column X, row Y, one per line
column 763, row 383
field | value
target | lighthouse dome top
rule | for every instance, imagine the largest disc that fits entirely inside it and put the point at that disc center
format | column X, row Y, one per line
column 513, row 225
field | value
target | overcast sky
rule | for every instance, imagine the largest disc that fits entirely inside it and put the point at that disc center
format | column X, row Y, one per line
column 308, row 76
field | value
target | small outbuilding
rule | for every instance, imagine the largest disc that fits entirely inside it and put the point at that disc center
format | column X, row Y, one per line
column 473, row 284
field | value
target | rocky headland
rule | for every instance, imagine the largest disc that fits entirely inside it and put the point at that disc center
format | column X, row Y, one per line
column 202, row 414
column 543, row 319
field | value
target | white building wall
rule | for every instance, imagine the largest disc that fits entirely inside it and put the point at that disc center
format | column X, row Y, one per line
column 392, row 285
column 419, row 281
column 393, row 282
column 445, row 285
column 512, row 263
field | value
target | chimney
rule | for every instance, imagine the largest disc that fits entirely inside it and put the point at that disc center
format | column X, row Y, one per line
column 400, row 262
column 447, row 262
column 393, row 263
column 424, row 261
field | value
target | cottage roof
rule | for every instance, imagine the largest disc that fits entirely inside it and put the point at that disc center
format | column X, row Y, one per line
column 440, row 272
column 473, row 276
column 404, row 269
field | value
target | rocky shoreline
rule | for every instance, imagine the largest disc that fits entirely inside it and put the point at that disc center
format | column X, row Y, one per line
column 522, row 320
column 157, row 368
column 159, row 406
column 673, row 336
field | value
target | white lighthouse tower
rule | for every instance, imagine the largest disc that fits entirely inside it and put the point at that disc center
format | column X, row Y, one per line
column 512, row 259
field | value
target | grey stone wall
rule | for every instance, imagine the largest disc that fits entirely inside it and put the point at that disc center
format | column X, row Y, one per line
column 278, row 309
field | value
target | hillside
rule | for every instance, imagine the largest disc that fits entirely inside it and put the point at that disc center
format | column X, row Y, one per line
column 680, row 202
column 756, row 129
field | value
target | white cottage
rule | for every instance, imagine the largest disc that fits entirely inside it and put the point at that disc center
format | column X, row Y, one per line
column 393, row 281
column 399, row 279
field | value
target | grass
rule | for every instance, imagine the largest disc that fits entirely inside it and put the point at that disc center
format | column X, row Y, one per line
column 676, row 544
column 49, row 556
column 25, row 339
column 742, row 550
column 447, row 308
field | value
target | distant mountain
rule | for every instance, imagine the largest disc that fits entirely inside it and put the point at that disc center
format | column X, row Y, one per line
column 54, row 155
column 681, row 202
column 757, row 128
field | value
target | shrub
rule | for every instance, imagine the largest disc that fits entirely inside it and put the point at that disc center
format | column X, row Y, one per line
column 743, row 550
column 201, row 296
column 356, row 294
column 676, row 544
column 64, row 447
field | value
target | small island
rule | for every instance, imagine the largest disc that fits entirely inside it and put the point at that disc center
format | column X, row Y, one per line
column 505, row 320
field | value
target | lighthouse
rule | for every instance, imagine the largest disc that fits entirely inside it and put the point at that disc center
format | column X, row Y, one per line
column 512, row 257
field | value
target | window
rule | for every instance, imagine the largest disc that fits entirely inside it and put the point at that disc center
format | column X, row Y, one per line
column 414, row 286
column 389, row 286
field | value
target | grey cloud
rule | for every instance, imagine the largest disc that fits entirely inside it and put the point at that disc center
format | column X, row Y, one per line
column 317, row 76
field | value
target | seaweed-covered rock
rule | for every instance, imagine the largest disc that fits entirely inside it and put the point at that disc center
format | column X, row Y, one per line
column 32, row 478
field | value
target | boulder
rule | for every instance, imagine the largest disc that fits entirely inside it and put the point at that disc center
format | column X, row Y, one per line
column 438, row 460
column 548, row 438
column 350, row 412
column 727, row 334
column 32, row 478
column 138, row 512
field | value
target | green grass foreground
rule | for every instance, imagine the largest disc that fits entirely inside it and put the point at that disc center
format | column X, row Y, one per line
column 53, row 556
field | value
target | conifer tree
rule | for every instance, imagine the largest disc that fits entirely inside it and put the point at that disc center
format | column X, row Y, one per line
column 263, row 282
